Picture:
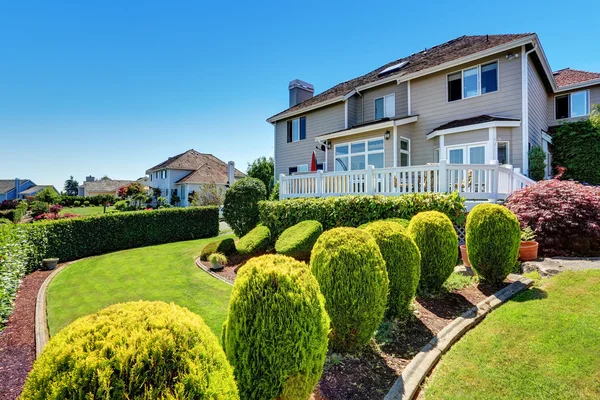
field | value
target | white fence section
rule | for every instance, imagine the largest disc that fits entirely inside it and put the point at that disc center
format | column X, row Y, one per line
column 473, row 181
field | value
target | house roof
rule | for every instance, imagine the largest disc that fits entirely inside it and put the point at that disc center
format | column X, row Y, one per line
column 34, row 189
column 480, row 119
column 438, row 55
column 568, row 76
column 6, row 185
column 105, row 185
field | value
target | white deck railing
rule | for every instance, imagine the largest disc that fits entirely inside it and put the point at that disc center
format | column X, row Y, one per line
column 472, row 181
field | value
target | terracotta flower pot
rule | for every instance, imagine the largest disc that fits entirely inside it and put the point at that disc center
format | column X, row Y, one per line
column 464, row 255
column 528, row 251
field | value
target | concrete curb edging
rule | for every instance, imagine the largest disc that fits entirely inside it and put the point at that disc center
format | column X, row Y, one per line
column 416, row 371
column 208, row 271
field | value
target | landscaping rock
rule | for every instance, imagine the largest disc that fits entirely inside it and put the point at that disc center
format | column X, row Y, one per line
column 548, row 267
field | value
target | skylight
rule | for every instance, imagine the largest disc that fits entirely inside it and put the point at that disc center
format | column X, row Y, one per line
column 393, row 68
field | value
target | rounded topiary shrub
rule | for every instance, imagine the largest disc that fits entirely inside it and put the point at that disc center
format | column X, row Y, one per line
column 255, row 241
column 403, row 222
column 142, row 350
column 403, row 265
column 437, row 241
column 493, row 238
column 225, row 246
column 276, row 331
column 240, row 207
column 352, row 276
column 297, row 241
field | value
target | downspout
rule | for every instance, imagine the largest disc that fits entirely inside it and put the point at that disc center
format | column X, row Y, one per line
column 525, row 106
column 275, row 152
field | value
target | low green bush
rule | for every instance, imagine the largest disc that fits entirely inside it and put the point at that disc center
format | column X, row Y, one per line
column 69, row 201
column 122, row 205
column 143, row 350
column 276, row 331
column 437, row 241
column 298, row 240
column 225, row 246
column 76, row 203
column 353, row 211
column 352, row 277
column 240, row 207
column 254, row 242
column 493, row 237
column 403, row 264
column 86, row 203
column 403, row 222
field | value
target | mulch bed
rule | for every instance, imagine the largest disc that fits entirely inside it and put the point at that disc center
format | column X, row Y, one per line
column 17, row 340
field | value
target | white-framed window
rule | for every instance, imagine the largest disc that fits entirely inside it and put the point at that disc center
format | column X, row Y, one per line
column 296, row 129
column 473, row 81
column 404, row 152
column 576, row 104
column 385, row 107
column 503, row 152
column 474, row 153
column 357, row 155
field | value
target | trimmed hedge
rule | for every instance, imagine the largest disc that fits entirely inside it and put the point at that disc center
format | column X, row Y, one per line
column 353, row 211
column 402, row 262
column 298, row 240
column 493, row 237
column 402, row 222
column 276, row 331
column 576, row 146
column 76, row 201
column 146, row 350
column 15, row 214
column 240, row 207
column 436, row 238
column 352, row 276
column 225, row 246
column 254, row 242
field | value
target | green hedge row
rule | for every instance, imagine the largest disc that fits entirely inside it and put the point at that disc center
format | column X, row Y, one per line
column 68, row 201
column 15, row 214
column 353, row 211
column 576, row 146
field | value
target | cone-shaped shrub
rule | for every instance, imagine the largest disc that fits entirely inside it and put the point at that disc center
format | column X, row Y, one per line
column 493, row 240
column 255, row 241
column 276, row 331
column 142, row 350
column 352, row 276
column 297, row 241
column 225, row 246
column 403, row 264
column 436, row 238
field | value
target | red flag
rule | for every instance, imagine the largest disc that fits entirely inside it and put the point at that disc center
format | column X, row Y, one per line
column 313, row 162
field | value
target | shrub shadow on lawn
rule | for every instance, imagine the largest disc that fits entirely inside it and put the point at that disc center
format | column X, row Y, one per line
column 531, row 294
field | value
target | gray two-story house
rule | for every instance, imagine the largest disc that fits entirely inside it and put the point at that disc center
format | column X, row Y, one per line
column 473, row 100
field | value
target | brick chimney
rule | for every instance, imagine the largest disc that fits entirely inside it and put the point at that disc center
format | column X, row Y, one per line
column 300, row 91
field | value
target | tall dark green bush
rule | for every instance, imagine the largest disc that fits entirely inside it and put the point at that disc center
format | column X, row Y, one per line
column 142, row 350
column 352, row 276
column 576, row 146
column 298, row 240
column 402, row 262
column 241, row 204
column 276, row 331
column 353, row 211
column 225, row 246
column 493, row 238
column 537, row 163
column 254, row 242
column 437, row 241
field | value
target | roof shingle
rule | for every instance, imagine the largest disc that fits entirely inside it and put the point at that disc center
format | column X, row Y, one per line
column 568, row 76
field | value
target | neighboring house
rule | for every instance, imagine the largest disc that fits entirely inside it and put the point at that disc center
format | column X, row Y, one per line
column 472, row 100
column 93, row 187
column 11, row 189
column 189, row 171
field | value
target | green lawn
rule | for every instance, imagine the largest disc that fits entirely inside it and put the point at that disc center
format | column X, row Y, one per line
column 165, row 272
column 545, row 344
column 92, row 210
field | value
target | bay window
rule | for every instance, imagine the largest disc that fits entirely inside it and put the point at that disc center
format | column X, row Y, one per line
column 473, row 81
column 357, row 155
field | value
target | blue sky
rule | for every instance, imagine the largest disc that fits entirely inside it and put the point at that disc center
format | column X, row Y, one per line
column 114, row 87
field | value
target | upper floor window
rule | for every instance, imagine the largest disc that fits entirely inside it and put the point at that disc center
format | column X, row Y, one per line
column 163, row 174
column 385, row 107
column 571, row 105
column 296, row 129
column 472, row 82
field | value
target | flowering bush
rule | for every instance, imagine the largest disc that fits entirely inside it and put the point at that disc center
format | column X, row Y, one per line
column 56, row 209
column 9, row 204
column 52, row 216
column 564, row 215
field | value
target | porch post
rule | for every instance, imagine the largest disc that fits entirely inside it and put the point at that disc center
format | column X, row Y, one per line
column 319, row 183
column 370, row 180
column 325, row 166
column 395, row 146
column 443, row 179
column 495, row 179
column 281, row 187
column 442, row 148
column 492, row 144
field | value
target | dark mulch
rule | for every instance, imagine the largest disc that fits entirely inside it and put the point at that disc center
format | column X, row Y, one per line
column 17, row 340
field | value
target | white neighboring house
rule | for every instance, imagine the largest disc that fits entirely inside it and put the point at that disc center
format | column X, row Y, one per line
column 189, row 171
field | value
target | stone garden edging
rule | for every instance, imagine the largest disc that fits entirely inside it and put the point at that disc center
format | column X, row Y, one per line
column 41, row 321
column 407, row 385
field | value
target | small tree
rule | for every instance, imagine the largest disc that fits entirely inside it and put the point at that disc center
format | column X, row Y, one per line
column 134, row 188
column 105, row 178
column 263, row 169
column 175, row 199
column 537, row 163
column 157, row 192
column 122, row 192
column 241, row 204
column 71, row 186
column 47, row 195
column 193, row 198
column 210, row 195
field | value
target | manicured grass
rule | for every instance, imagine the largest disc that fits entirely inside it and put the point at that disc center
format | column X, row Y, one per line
column 545, row 344
column 92, row 210
column 165, row 272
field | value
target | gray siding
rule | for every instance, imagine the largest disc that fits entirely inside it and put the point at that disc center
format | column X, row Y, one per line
column 537, row 102
column 318, row 122
column 594, row 99
column 429, row 101
column 353, row 105
column 369, row 96
column 480, row 135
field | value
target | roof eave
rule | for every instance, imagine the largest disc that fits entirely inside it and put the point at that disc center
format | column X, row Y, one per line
column 579, row 85
column 473, row 127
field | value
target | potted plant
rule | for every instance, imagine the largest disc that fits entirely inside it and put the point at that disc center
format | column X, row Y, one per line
column 528, row 251
column 49, row 263
column 464, row 255
column 217, row 260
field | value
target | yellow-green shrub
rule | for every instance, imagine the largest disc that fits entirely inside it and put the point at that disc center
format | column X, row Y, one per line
column 352, row 276
column 142, row 350
column 403, row 222
column 255, row 241
column 276, row 331
column 493, row 236
column 436, row 238
column 402, row 262
column 298, row 240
